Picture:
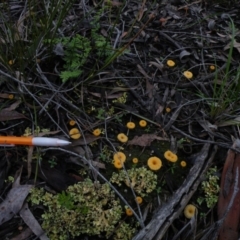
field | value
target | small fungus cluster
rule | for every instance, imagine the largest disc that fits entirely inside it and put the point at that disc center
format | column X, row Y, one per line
column 170, row 156
column 74, row 133
column 186, row 74
column 123, row 138
column 118, row 159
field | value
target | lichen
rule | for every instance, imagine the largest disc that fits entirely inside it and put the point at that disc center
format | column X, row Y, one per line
column 143, row 181
column 124, row 232
column 84, row 208
column 211, row 188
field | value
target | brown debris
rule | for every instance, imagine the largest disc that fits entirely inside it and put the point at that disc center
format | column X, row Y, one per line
column 231, row 212
column 145, row 140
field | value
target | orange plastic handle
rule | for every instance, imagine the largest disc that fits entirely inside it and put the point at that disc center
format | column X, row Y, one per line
column 16, row 140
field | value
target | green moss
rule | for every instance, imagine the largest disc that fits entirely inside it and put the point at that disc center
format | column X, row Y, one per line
column 143, row 181
column 124, row 232
column 85, row 208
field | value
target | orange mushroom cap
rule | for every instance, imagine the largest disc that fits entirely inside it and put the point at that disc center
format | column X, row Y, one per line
column 74, row 133
column 154, row 163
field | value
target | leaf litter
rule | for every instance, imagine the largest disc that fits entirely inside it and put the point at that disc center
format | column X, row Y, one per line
column 145, row 140
column 14, row 200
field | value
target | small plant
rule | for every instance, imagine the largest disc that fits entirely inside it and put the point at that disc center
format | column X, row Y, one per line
column 76, row 50
column 106, row 154
column 65, row 200
column 119, row 118
column 211, row 188
column 121, row 99
column 52, row 162
column 101, row 114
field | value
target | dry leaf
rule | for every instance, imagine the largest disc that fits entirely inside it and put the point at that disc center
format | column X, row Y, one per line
column 160, row 109
column 235, row 121
column 32, row 223
column 123, row 35
column 78, row 161
column 9, row 113
column 149, row 86
column 13, row 106
column 98, row 164
column 145, row 140
column 159, row 65
column 4, row 95
column 142, row 71
column 14, row 200
column 112, row 96
column 235, row 45
column 142, row 10
column 41, row 134
column 228, row 201
column 25, row 234
column 113, row 3
column 6, row 115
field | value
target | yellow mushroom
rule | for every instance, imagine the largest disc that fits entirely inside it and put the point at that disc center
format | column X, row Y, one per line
column 188, row 74
column 170, row 156
column 139, row 200
column 212, row 67
column 135, row 160
column 118, row 163
column 183, row 163
column 119, row 156
column 143, row 123
column 189, row 211
column 131, row 125
column 74, row 133
column 129, row 212
column 122, row 137
column 154, row 163
column 97, row 132
column 72, row 122
column 168, row 109
column 171, row 63
column 10, row 96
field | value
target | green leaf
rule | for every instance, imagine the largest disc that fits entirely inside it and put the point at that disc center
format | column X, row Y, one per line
column 66, row 200
column 66, row 75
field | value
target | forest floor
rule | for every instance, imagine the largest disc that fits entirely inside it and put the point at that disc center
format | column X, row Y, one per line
column 148, row 95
